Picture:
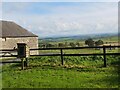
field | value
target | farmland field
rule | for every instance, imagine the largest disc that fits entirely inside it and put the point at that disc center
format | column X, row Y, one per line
column 77, row 72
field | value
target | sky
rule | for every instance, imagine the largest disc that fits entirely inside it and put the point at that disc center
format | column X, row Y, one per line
column 60, row 0
column 52, row 19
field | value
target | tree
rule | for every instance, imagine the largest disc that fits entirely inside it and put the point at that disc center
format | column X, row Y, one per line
column 99, row 42
column 89, row 42
column 61, row 45
column 77, row 44
column 72, row 44
column 66, row 44
column 48, row 45
column 42, row 45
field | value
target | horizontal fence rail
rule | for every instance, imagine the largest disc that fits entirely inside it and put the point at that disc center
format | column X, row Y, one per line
column 8, row 55
column 62, row 54
column 3, row 62
column 8, row 51
column 58, row 54
column 76, row 54
column 75, row 48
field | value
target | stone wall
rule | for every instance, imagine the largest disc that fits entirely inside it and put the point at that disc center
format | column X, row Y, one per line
column 11, row 43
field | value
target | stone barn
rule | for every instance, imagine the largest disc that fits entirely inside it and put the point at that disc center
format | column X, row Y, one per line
column 12, row 33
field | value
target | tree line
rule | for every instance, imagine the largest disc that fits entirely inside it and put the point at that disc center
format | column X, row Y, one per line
column 60, row 44
column 89, row 42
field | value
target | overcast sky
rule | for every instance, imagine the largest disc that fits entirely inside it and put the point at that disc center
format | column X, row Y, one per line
column 48, row 19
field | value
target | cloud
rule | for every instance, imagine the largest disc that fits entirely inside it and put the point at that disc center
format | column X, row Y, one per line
column 0, row 10
column 60, row 0
column 63, row 18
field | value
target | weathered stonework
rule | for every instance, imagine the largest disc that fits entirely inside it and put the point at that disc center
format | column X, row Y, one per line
column 12, row 33
column 11, row 43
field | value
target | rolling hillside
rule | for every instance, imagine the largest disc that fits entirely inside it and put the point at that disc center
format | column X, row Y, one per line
column 81, row 38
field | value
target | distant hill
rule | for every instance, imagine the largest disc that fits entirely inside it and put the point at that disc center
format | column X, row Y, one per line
column 80, row 37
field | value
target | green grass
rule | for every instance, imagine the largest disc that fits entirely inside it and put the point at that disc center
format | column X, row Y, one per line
column 82, row 42
column 78, row 51
column 77, row 72
column 7, row 58
column 110, row 39
column 55, row 77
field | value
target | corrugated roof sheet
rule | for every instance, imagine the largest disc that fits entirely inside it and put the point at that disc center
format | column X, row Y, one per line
column 11, row 29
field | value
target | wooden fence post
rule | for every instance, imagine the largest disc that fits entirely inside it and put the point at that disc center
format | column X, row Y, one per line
column 26, row 62
column 104, row 52
column 22, row 62
column 62, row 56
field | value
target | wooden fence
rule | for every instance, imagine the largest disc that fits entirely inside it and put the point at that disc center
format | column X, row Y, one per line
column 61, row 54
column 91, row 54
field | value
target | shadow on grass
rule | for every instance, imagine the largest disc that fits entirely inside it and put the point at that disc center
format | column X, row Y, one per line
column 114, row 77
column 117, row 66
column 58, row 66
column 78, row 68
column 109, row 80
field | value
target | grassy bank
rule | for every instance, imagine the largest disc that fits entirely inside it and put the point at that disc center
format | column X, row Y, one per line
column 47, row 72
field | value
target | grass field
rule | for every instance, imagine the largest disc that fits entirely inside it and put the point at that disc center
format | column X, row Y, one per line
column 77, row 72
column 82, row 42
column 79, row 51
column 111, row 39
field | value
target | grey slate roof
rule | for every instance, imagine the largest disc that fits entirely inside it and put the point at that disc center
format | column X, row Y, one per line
column 11, row 29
